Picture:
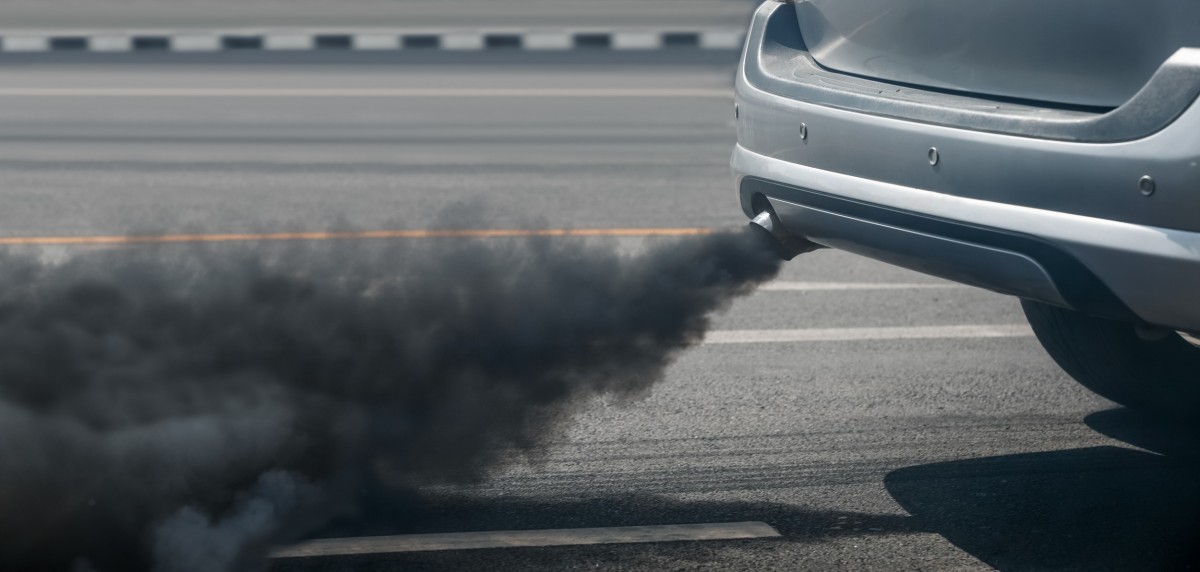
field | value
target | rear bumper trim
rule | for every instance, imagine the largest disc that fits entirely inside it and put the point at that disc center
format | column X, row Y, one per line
column 1100, row 266
column 1006, row 262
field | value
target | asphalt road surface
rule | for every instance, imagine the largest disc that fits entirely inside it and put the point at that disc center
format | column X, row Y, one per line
column 908, row 423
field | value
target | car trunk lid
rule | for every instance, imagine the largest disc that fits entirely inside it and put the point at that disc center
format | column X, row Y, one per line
column 1094, row 53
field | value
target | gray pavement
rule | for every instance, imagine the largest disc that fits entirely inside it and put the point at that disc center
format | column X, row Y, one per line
column 259, row 14
column 873, row 454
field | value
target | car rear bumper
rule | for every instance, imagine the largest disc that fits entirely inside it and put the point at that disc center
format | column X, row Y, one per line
column 1103, row 267
column 1049, row 216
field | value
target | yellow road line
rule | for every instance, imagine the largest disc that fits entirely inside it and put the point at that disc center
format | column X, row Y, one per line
column 347, row 235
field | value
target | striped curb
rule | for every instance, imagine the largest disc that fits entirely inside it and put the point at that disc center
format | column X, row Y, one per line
column 372, row 40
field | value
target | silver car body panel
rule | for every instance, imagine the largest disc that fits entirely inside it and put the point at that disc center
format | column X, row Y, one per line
column 1085, row 52
column 782, row 64
column 1080, row 198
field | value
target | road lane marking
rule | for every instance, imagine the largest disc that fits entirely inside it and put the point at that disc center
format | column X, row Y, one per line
column 360, row 92
column 348, row 235
column 26, row 44
column 527, row 538
column 369, row 38
column 719, row 39
column 548, row 41
column 785, row 286
column 636, row 41
column 462, row 41
column 854, row 334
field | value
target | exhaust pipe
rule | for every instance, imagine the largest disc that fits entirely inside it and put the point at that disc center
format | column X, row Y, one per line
column 786, row 245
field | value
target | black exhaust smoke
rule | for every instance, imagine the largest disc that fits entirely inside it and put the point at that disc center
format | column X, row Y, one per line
column 184, row 408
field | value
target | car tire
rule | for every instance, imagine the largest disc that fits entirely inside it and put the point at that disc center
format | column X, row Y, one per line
column 1109, row 357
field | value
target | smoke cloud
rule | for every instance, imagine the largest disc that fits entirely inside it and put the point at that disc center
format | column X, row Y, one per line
column 184, row 408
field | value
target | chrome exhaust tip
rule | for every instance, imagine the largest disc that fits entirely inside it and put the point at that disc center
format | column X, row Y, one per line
column 786, row 245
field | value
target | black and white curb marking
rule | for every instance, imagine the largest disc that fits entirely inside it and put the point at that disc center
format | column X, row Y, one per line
column 370, row 40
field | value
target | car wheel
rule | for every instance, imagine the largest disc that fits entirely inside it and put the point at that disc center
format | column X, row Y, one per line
column 1159, row 375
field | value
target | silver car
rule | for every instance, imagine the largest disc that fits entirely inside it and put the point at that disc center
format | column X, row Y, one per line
column 1047, row 150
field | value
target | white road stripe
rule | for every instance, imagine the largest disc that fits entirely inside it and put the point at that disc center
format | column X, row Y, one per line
column 548, row 41
column 784, row 286
column 25, row 44
column 721, row 39
column 527, row 538
column 196, row 43
column 376, row 42
column 852, row 334
column 462, row 41
column 288, row 42
column 356, row 92
column 636, row 41
column 110, row 43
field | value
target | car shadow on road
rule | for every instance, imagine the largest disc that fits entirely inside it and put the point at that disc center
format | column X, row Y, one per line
column 1096, row 508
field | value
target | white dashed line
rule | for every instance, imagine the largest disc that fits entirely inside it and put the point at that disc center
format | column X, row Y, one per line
column 284, row 42
column 369, row 39
column 26, row 44
column 186, row 43
column 855, row 334
column 462, row 41
column 111, row 44
column 527, row 538
column 636, row 41
column 549, row 41
column 376, row 42
column 783, row 286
